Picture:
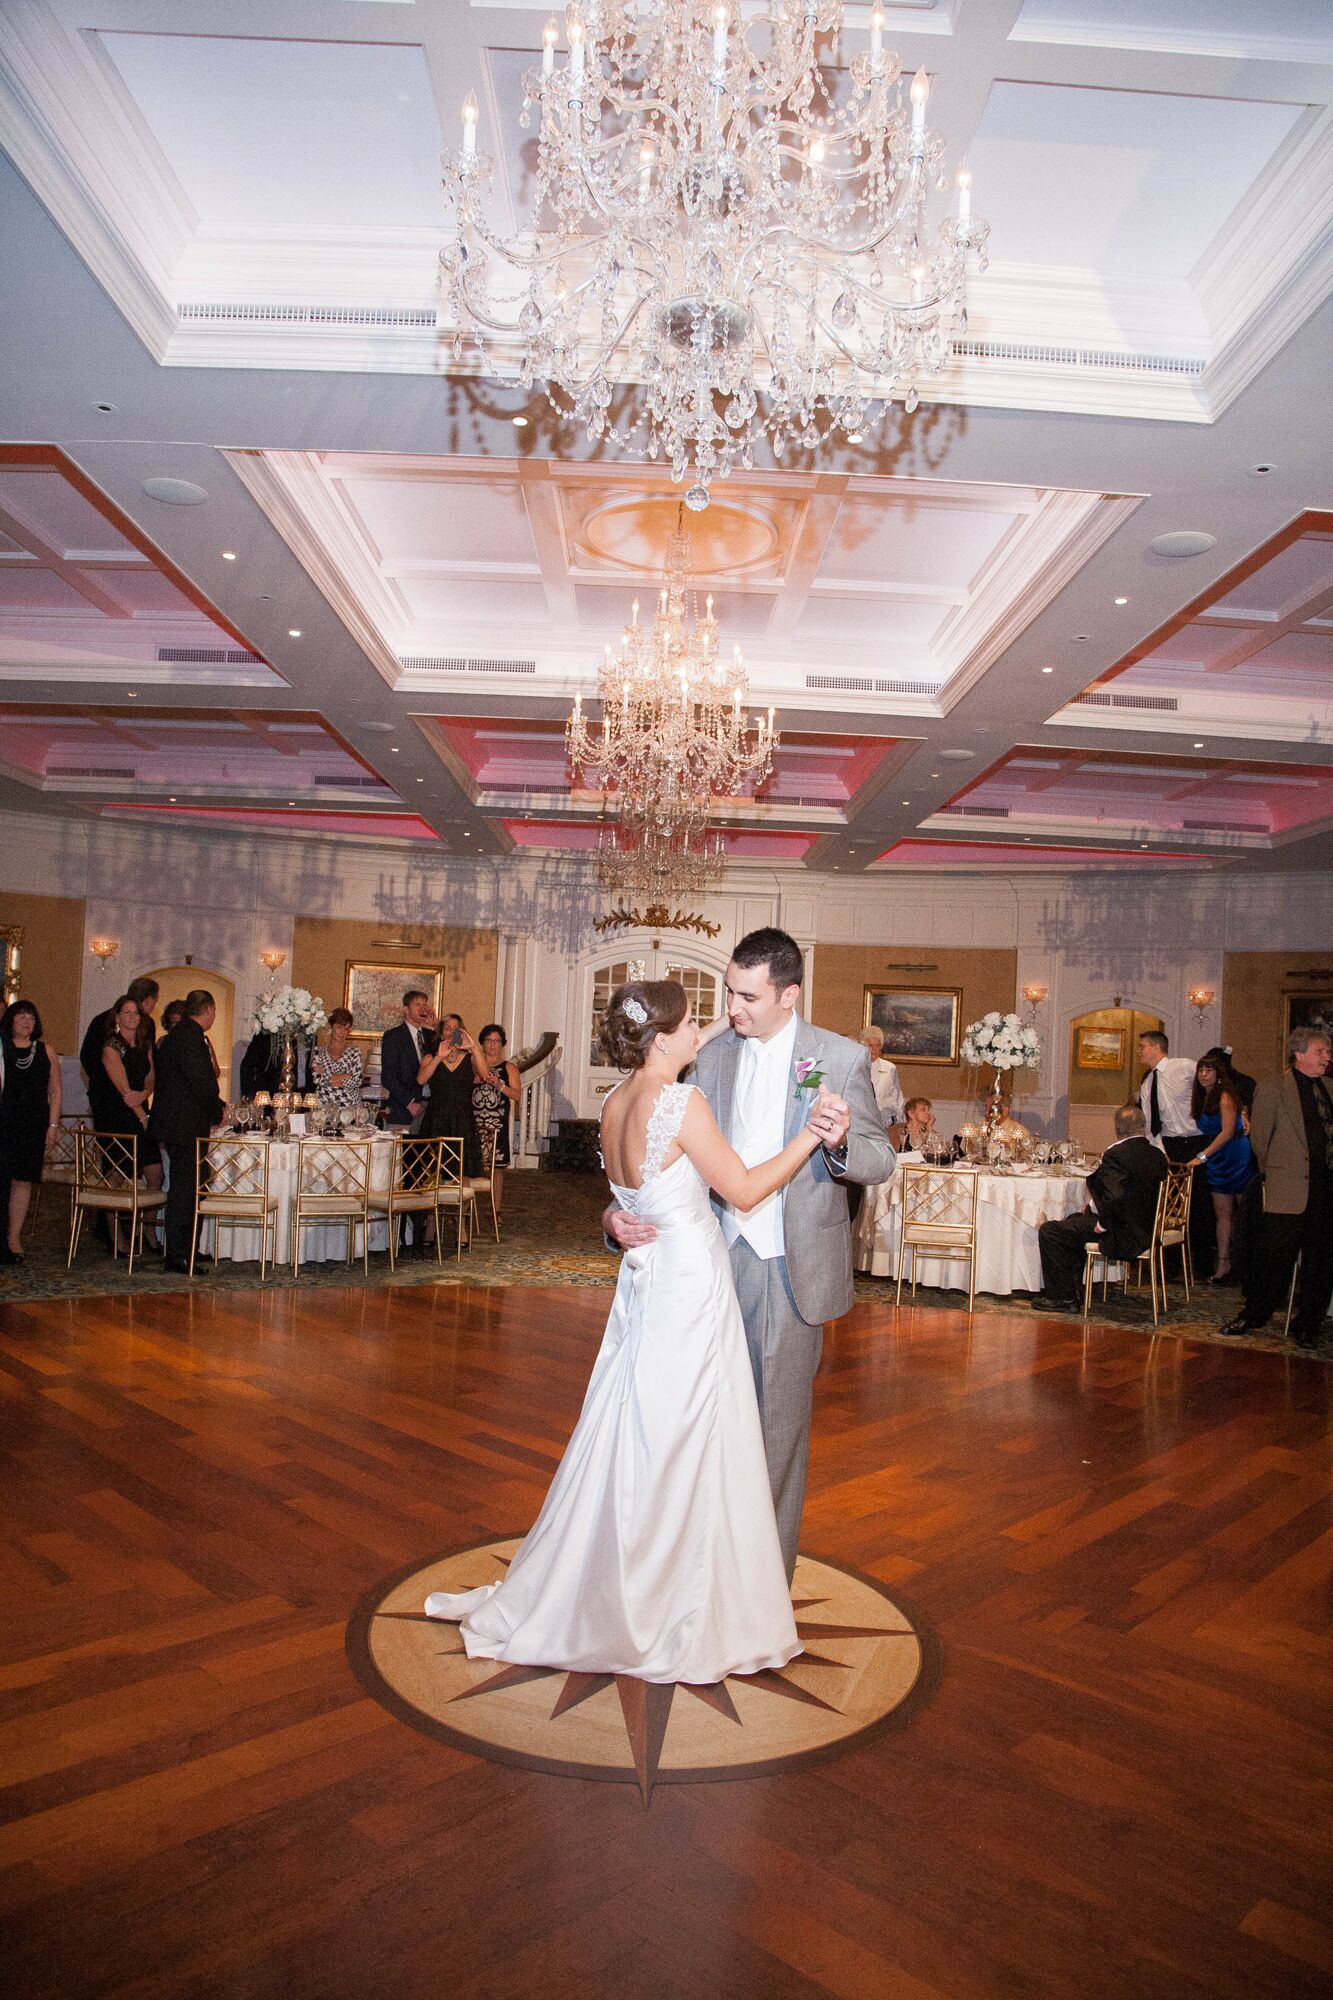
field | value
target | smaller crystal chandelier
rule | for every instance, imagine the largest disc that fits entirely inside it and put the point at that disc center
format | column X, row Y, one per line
column 674, row 738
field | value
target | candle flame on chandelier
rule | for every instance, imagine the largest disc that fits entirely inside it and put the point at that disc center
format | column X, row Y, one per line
column 724, row 216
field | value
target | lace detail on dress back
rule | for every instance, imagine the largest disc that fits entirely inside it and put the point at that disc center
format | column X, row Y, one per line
column 664, row 1123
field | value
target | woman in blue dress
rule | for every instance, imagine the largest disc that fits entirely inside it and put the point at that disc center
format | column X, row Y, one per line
column 1225, row 1155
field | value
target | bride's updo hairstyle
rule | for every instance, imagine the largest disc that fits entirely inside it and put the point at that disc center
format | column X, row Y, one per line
column 639, row 1011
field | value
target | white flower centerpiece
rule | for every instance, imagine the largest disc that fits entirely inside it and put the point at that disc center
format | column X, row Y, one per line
column 1006, row 1043
column 290, row 1015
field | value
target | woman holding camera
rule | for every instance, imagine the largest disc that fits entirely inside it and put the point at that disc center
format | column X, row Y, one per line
column 451, row 1068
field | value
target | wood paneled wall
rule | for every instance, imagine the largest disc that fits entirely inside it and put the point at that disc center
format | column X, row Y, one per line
column 53, row 962
column 322, row 946
column 1254, row 986
column 843, row 971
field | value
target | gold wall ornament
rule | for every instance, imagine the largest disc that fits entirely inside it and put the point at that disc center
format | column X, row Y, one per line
column 656, row 917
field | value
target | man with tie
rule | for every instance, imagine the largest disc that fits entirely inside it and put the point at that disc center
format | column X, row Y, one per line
column 401, row 1051
column 1165, row 1096
column 1292, row 1136
column 791, row 1256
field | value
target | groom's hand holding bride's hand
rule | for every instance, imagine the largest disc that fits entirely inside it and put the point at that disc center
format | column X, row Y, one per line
column 831, row 1119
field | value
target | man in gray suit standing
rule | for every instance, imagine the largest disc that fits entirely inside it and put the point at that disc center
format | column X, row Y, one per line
column 791, row 1257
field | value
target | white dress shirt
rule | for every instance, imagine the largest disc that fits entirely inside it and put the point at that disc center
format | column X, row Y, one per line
column 758, row 1127
column 1175, row 1089
column 888, row 1090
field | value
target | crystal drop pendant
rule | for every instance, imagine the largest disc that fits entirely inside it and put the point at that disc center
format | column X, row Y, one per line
column 696, row 499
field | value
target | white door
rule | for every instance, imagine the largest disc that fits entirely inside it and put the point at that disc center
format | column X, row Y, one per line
column 700, row 975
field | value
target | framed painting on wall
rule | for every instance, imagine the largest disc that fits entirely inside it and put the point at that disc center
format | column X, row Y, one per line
column 919, row 1023
column 1100, row 1048
column 1306, row 1010
column 374, row 994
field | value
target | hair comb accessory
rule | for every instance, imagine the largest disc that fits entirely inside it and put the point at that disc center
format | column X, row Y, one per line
column 636, row 1011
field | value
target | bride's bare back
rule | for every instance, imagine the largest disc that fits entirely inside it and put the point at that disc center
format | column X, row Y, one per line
column 625, row 1117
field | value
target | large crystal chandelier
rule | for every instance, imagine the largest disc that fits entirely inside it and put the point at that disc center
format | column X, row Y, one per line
column 674, row 738
column 724, row 216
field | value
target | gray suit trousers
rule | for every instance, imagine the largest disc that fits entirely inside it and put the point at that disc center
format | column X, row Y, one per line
column 784, row 1354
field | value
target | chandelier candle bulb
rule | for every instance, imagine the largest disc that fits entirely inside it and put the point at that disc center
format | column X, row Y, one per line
column 920, row 93
column 964, row 194
column 721, row 22
column 550, row 36
column 574, row 30
column 470, row 123
column 876, row 36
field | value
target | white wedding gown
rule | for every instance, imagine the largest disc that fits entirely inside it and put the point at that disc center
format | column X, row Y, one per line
column 656, row 1552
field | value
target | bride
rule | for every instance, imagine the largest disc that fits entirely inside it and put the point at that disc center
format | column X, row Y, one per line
column 656, row 1553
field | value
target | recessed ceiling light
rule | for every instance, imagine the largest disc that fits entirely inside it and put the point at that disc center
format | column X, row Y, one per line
column 172, row 800
column 1080, row 638
column 291, row 802
column 229, row 555
column 1143, row 847
column 466, row 834
column 421, row 781
column 293, row 631
column 130, row 695
column 1260, row 471
column 907, row 802
column 1048, row 670
column 1122, row 600
column 104, row 407
column 519, row 423
column 1199, row 744
column 934, row 774
column 393, row 749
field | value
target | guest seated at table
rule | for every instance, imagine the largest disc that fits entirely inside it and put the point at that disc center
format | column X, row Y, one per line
column 1226, row 1159
column 336, row 1069
column 1120, row 1216
column 127, row 1058
column 883, row 1076
column 916, row 1132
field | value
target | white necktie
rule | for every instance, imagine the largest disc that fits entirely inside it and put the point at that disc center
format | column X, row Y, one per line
column 749, row 1094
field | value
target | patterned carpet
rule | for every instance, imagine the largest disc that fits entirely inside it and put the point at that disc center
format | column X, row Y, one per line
column 551, row 1226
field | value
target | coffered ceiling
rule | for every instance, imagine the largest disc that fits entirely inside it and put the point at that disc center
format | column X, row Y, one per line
column 271, row 557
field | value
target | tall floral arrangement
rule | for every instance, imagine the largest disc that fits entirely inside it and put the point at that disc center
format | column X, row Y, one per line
column 292, row 1011
column 1003, row 1041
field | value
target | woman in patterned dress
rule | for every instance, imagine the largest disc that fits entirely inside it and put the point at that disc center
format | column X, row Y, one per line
column 493, row 1099
column 336, row 1069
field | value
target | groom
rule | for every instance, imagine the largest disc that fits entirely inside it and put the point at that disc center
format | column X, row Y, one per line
column 791, row 1257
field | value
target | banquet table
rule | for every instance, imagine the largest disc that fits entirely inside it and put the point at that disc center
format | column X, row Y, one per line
column 321, row 1242
column 1010, row 1209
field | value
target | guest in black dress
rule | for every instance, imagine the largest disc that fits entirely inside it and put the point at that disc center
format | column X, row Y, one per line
column 29, row 1114
column 127, row 1058
column 451, row 1070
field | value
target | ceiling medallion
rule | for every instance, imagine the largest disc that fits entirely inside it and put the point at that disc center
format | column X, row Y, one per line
column 724, row 215
column 674, row 738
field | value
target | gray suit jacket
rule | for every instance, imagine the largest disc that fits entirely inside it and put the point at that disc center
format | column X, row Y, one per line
column 816, row 1221
column 1277, row 1134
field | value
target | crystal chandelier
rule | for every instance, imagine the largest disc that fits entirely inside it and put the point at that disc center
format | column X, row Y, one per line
column 725, row 220
column 674, row 738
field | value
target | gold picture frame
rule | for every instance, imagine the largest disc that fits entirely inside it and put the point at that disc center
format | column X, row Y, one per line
column 920, row 1024
column 373, row 993
column 1099, row 1048
column 1305, row 1010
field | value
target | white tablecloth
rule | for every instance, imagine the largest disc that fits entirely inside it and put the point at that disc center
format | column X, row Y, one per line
column 1010, row 1209
column 321, row 1242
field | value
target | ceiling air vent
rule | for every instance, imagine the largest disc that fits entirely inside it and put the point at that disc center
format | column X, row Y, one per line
column 261, row 314
column 1163, row 704
column 1221, row 826
column 840, row 683
column 343, row 782
column 906, row 687
column 979, row 812
column 1076, row 357
column 90, row 771
column 207, row 656
column 451, row 663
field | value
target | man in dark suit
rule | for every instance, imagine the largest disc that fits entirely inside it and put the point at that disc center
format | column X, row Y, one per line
column 186, row 1107
column 1291, row 1131
column 261, row 1069
column 401, row 1051
column 1124, row 1204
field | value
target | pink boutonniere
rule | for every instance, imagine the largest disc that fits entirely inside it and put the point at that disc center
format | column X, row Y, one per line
column 808, row 1074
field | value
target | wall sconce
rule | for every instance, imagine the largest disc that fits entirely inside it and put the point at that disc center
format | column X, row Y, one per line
column 272, row 958
column 103, row 948
column 1034, row 995
column 1201, row 999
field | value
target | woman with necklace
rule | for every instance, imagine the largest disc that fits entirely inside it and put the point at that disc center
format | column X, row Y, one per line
column 29, row 1114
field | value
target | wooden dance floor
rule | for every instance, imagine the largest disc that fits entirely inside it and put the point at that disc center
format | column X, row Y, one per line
column 1112, row 1779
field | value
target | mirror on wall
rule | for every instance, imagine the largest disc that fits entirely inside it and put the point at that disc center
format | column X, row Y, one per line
column 1104, row 1069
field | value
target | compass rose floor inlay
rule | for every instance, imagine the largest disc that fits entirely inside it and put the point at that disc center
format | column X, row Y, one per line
column 867, row 1665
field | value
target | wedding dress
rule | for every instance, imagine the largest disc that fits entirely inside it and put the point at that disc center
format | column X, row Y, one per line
column 656, row 1552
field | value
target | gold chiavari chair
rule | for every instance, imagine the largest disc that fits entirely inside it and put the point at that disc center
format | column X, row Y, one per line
column 414, row 1186
column 333, row 1185
column 61, row 1167
column 231, row 1191
column 107, row 1180
column 482, row 1186
column 1170, row 1231
column 1175, row 1231
column 939, row 1219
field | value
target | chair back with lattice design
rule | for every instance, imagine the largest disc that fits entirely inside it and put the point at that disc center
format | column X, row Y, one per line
column 62, row 1159
column 939, row 1206
column 333, row 1169
column 416, row 1168
column 237, row 1170
column 108, row 1162
column 1173, row 1212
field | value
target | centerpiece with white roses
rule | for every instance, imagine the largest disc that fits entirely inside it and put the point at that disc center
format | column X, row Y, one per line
column 290, row 1015
column 1006, row 1043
